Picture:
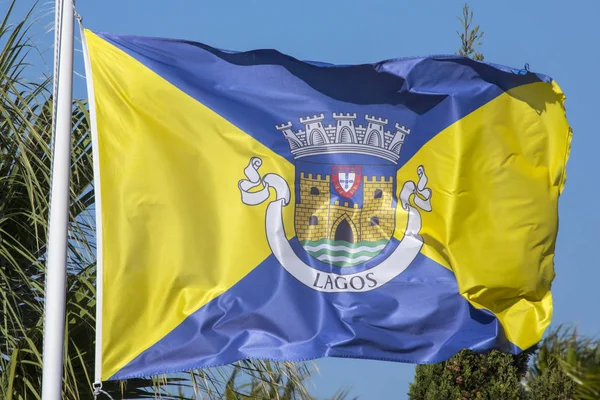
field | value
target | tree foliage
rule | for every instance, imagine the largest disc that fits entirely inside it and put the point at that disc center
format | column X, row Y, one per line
column 470, row 37
column 25, row 135
column 469, row 375
column 567, row 366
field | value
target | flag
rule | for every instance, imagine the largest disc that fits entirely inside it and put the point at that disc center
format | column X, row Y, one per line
column 254, row 206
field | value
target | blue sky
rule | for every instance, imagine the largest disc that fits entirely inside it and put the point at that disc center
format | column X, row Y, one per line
column 555, row 38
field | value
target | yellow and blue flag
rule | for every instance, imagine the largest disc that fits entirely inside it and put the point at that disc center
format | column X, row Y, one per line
column 251, row 205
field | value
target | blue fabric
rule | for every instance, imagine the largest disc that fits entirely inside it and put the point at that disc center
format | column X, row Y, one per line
column 259, row 89
column 260, row 317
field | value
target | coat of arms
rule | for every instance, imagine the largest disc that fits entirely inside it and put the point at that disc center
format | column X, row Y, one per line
column 346, row 197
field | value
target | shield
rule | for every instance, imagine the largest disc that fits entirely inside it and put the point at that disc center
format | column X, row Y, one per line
column 345, row 214
column 346, row 180
column 345, row 188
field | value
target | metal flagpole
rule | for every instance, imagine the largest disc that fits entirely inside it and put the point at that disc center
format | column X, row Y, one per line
column 56, row 270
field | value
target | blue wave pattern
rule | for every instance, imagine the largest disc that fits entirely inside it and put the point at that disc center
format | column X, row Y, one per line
column 342, row 253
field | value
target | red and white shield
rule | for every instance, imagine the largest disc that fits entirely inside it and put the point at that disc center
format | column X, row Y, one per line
column 346, row 180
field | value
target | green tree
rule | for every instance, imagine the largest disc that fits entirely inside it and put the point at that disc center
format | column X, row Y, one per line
column 470, row 37
column 567, row 366
column 469, row 375
column 25, row 164
column 25, row 134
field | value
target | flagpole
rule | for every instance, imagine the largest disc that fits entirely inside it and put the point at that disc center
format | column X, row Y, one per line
column 56, row 270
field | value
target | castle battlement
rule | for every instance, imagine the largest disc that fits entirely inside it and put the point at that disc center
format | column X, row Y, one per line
column 375, row 120
column 402, row 128
column 314, row 118
column 336, row 203
column 314, row 178
column 348, row 116
column 344, row 137
column 388, row 179
column 283, row 127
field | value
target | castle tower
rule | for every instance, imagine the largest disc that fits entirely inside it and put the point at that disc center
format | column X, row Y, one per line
column 315, row 132
column 344, row 129
column 398, row 140
column 293, row 140
column 312, row 211
column 375, row 134
column 378, row 212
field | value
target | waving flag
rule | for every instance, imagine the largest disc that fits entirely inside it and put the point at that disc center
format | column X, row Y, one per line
column 251, row 205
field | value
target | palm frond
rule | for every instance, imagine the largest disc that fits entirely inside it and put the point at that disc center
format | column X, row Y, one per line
column 565, row 352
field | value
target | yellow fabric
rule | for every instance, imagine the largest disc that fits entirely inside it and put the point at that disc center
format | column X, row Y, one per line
column 167, row 253
column 499, row 169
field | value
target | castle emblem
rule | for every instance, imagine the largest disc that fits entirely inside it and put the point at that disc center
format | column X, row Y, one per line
column 346, row 198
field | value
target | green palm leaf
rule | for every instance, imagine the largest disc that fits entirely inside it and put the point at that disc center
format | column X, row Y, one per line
column 566, row 364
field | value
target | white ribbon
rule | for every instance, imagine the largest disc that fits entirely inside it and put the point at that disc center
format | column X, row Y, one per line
column 407, row 250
